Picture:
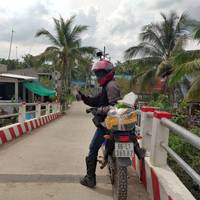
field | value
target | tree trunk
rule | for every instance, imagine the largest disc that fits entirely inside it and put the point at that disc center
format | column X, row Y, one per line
column 64, row 88
column 69, row 78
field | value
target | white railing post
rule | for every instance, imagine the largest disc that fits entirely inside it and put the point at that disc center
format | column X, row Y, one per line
column 59, row 107
column 54, row 107
column 47, row 108
column 160, row 134
column 22, row 113
column 146, row 128
column 50, row 108
column 38, row 110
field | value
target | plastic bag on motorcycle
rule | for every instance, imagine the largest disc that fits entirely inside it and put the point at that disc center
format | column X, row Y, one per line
column 122, row 117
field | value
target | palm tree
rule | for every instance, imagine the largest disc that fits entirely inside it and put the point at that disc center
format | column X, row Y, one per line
column 66, row 48
column 86, row 65
column 159, row 42
column 30, row 61
column 197, row 31
column 187, row 72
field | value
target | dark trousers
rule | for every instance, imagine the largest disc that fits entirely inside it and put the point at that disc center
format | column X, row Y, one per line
column 96, row 143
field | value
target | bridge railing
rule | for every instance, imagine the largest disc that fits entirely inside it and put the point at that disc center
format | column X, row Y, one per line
column 190, row 138
column 155, row 127
column 29, row 110
column 28, row 116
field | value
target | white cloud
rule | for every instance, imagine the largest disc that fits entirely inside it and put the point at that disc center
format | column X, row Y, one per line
column 114, row 23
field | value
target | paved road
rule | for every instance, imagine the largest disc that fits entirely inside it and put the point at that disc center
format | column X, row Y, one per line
column 48, row 164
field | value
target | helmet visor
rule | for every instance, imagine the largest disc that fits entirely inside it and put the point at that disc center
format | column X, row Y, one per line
column 101, row 73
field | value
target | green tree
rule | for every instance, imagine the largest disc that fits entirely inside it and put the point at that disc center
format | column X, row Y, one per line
column 82, row 71
column 187, row 70
column 66, row 49
column 30, row 61
column 12, row 64
column 159, row 42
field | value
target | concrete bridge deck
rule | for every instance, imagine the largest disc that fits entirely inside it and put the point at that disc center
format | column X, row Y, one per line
column 48, row 164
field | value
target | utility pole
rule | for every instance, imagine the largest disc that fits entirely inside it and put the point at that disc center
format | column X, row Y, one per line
column 10, row 44
column 104, row 52
column 16, row 53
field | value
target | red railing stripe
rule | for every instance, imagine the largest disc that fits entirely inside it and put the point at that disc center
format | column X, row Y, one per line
column 155, row 185
column 3, row 137
column 12, row 132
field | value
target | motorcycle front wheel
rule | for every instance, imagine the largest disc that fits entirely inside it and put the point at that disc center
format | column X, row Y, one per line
column 121, row 183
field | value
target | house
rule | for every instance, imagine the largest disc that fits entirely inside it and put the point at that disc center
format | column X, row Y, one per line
column 19, row 88
column 23, row 84
column 12, row 88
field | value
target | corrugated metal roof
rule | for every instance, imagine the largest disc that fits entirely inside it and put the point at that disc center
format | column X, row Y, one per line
column 15, row 76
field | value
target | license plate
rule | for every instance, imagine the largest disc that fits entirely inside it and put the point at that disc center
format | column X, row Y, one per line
column 124, row 149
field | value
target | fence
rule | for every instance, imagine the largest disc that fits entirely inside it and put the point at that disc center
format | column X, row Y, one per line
column 29, row 116
column 155, row 127
column 26, row 111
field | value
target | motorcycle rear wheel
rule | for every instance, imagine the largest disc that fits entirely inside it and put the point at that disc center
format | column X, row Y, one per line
column 121, row 184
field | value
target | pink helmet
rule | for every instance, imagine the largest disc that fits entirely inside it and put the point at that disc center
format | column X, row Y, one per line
column 102, row 65
column 104, row 71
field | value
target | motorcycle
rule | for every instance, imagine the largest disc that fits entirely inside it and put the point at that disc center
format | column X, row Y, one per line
column 118, row 149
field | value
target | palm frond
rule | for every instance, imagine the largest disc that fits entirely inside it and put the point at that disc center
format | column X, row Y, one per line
column 147, row 61
column 46, row 33
column 182, row 22
column 179, row 44
column 164, row 69
column 88, row 50
column 66, row 27
column 186, row 56
column 143, row 49
column 148, row 79
column 60, row 31
column 176, row 76
column 193, row 94
column 197, row 33
column 192, row 67
column 150, row 36
column 189, row 68
column 77, row 30
column 50, row 53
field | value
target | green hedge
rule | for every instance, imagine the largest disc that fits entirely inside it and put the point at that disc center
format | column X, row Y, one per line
column 189, row 154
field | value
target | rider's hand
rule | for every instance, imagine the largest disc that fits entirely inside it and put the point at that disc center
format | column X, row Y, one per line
column 94, row 111
column 79, row 95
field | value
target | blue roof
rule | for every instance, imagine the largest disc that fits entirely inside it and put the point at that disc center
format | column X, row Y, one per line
column 78, row 82
column 127, row 77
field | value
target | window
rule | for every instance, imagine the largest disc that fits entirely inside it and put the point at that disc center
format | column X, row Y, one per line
column 7, row 91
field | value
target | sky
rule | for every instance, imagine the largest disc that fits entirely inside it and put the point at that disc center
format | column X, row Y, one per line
column 115, row 24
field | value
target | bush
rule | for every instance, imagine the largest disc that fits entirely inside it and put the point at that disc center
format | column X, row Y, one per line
column 125, row 86
column 190, row 155
column 180, row 115
column 160, row 101
column 70, row 98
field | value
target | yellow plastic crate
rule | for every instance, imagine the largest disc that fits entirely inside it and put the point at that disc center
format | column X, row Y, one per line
column 122, row 122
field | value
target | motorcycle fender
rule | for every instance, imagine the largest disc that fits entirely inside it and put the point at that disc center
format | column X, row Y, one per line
column 123, row 162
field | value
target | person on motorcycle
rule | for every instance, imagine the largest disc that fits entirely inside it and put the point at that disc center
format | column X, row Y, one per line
column 109, row 95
